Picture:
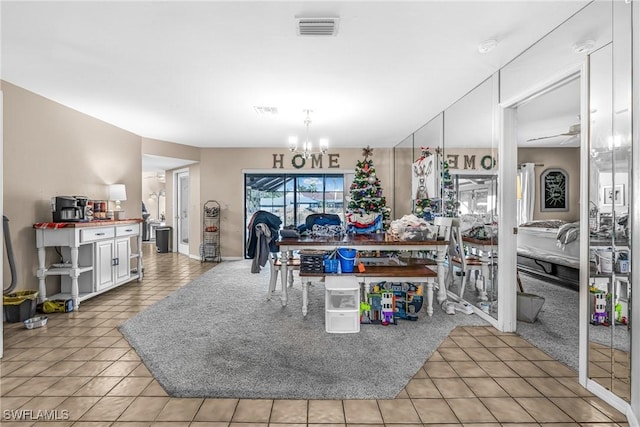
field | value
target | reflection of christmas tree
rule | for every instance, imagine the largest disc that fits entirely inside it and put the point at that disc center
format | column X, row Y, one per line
column 367, row 211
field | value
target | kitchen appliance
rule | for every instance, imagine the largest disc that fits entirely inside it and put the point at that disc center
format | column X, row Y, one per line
column 68, row 208
column 83, row 202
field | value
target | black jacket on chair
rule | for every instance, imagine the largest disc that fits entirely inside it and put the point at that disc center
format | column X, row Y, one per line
column 272, row 221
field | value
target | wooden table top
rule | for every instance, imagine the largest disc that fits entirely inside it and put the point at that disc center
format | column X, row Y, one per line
column 473, row 240
column 373, row 239
column 412, row 270
column 86, row 224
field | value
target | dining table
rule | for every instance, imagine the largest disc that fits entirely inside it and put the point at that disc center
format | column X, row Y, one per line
column 373, row 242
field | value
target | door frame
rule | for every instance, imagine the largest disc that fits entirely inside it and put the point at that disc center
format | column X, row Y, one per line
column 508, row 163
column 177, row 246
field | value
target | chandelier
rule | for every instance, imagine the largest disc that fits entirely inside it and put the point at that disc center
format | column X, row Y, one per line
column 307, row 147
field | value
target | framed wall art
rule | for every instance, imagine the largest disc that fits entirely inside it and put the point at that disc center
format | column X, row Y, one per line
column 554, row 191
column 613, row 195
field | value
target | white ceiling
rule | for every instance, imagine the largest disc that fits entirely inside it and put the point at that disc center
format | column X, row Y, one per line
column 191, row 72
column 549, row 116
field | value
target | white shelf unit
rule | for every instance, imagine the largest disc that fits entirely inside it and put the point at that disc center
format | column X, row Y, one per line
column 342, row 304
column 97, row 258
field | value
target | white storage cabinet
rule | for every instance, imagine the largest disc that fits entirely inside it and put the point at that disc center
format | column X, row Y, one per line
column 342, row 304
column 96, row 258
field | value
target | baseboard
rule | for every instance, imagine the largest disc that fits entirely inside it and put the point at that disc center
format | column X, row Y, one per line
column 232, row 258
column 613, row 400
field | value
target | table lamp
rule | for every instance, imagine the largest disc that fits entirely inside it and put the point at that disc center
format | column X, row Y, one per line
column 118, row 193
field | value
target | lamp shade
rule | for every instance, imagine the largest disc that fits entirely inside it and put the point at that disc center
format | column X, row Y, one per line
column 117, row 192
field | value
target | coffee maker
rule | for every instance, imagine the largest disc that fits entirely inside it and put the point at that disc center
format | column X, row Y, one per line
column 68, row 208
column 82, row 203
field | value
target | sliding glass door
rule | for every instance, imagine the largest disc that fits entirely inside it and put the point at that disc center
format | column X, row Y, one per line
column 293, row 197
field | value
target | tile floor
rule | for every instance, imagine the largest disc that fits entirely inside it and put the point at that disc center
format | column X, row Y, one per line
column 79, row 370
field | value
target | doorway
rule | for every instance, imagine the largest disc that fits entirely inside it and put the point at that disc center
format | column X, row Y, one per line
column 544, row 133
column 181, row 214
column 548, row 248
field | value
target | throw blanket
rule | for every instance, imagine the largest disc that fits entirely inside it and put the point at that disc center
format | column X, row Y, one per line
column 567, row 234
column 544, row 223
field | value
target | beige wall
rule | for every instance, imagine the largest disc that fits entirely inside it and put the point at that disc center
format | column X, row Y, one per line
column 563, row 158
column 222, row 179
column 51, row 150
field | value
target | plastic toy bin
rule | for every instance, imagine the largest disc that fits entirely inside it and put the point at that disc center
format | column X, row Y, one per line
column 342, row 322
column 342, row 304
column 341, row 300
column 19, row 306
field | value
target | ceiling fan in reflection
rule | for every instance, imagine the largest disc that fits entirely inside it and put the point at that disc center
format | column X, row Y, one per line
column 573, row 133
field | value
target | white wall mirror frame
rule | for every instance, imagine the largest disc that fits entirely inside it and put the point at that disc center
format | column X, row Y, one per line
column 635, row 219
column 507, row 167
column 507, row 203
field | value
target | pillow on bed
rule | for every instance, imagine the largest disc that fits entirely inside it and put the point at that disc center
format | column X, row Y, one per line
column 548, row 223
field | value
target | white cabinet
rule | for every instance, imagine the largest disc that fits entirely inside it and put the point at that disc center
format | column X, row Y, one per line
column 95, row 257
column 122, row 264
column 104, row 265
column 342, row 304
column 113, row 265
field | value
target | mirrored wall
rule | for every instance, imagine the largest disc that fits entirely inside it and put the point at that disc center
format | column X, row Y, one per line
column 610, row 285
column 471, row 152
column 573, row 140
column 412, row 182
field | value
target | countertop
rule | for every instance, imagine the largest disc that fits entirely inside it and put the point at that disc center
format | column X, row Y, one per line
column 86, row 224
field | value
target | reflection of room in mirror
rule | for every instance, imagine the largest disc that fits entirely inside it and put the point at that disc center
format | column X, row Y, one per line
column 610, row 368
column 613, row 195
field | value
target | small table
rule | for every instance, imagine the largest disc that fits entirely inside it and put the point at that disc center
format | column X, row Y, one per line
column 374, row 242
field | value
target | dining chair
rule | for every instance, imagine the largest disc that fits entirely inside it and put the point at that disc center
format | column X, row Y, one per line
column 275, row 264
column 458, row 259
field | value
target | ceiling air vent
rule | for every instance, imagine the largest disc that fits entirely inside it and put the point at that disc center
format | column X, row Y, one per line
column 262, row 110
column 317, row 26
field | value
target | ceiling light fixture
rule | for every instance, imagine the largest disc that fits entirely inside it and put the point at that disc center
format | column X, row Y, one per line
column 487, row 46
column 584, row 46
column 307, row 146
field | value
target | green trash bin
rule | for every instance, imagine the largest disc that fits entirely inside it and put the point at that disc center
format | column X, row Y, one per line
column 20, row 306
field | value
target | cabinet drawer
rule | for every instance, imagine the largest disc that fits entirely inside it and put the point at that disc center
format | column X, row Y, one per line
column 127, row 230
column 342, row 322
column 93, row 234
column 342, row 300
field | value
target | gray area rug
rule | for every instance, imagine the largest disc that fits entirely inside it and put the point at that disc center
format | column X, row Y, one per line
column 219, row 337
column 556, row 330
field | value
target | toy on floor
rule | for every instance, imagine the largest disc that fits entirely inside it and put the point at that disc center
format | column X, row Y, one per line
column 600, row 315
column 387, row 302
